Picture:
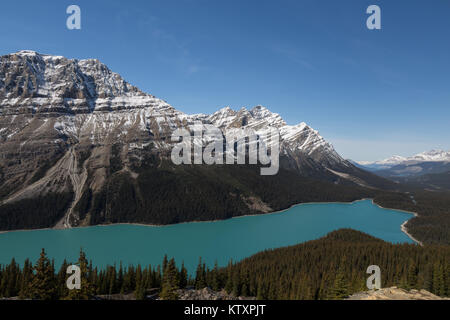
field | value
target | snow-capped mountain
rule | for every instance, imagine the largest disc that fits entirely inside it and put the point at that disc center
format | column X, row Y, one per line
column 68, row 125
column 32, row 82
column 82, row 100
column 298, row 138
column 429, row 156
column 382, row 164
column 400, row 169
column 92, row 101
column 433, row 155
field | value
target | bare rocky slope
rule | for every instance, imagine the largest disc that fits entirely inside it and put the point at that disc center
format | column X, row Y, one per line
column 82, row 145
column 394, row 293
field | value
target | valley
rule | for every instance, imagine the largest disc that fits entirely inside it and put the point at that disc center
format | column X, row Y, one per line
column 80, row 146
column 217, row 241
column 84, row 132
column 85, row 161
column 224, row 150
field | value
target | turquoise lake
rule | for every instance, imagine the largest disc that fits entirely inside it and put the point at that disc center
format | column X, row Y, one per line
column 235, row 238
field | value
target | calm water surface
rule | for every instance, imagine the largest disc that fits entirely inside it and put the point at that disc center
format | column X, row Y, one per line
column 220, row 240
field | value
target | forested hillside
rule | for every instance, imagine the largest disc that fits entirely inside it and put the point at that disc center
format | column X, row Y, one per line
column 168, row 194
column 172, row 194
column 432, row 225
column 35, row 213
column 431, row 181
column 335, row 266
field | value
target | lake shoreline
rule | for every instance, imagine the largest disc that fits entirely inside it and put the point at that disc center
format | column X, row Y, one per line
column 174, row 224
column 403, row 227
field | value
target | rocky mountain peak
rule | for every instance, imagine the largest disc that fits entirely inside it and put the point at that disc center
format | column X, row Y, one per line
column 432, row 155
column 427, row 156
column 68, row 119
column 33, row 83
column 37, row 83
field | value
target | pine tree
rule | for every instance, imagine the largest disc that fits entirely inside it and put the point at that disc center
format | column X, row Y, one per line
column 27, row 275
column 10, row 285
column 229, row 282
column 157, row 277
column 128, row 281
column 149, row 277
column 200, row 281
column 140, row 285
column 43, row 286
column 412, row 275
column 61, row 279
column 260, row 294
column 183, row 276
column 340, row 284
column 245, row 285
column 236, row 283
column 438, row 279
column 170, row 282
column 119, row 284
column 112, row 281
column 447, row 279
column 215, row 283
column 165, row 262
column 87, row 290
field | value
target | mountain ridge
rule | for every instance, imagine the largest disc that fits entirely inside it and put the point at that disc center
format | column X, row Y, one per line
column 71, row 126
column 437, row 155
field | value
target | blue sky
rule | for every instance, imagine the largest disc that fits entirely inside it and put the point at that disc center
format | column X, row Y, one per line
column 372, row 93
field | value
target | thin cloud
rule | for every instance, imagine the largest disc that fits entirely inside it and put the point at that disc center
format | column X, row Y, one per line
column 292, row 55
column 171, row 49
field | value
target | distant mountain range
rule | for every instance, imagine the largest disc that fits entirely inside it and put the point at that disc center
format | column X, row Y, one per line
column 426, row 170
column 430, row 156
column 83, row 146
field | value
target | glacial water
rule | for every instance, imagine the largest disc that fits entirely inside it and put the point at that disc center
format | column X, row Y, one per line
column 219, row 241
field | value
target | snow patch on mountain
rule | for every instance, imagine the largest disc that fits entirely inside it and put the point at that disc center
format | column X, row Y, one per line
column 83, row 100
column 429, row 156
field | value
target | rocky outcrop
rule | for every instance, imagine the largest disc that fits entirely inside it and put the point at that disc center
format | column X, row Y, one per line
column 395, row 293
column 208, row 294
column 183, row 294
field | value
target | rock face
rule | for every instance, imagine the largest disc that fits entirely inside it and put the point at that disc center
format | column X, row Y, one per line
column 35, row 83
column 299, row 141
column 395, row 293
column 208, row 294
column 183, row 294
column 67, row 125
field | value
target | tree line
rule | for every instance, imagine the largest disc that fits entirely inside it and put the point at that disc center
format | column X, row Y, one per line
column 432, row 226
column 332, row 267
